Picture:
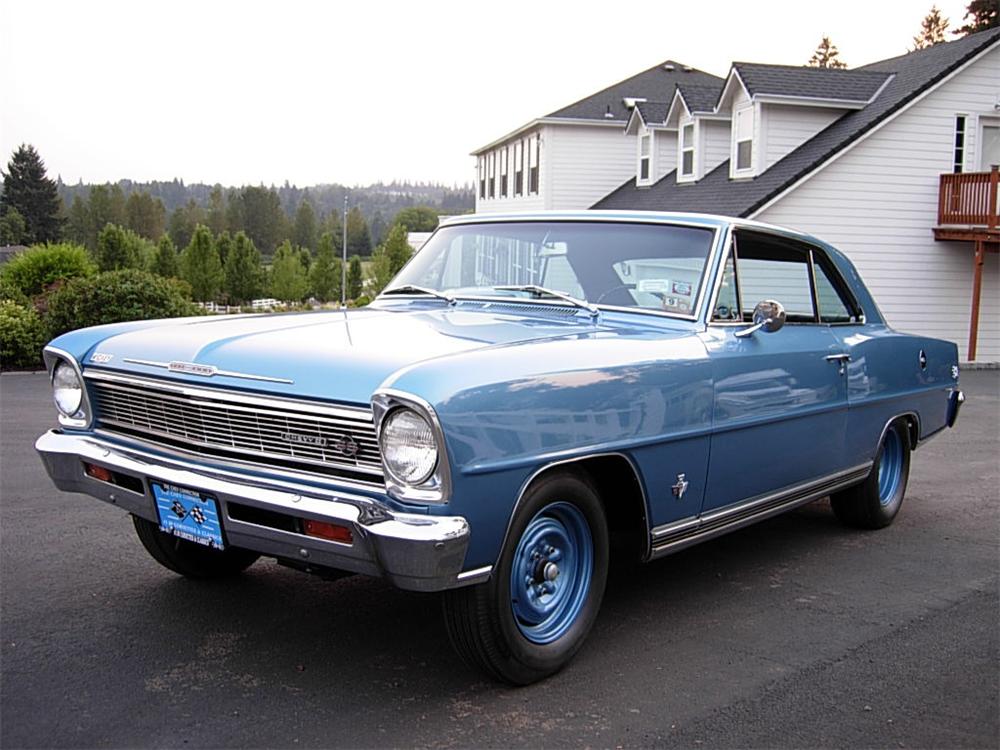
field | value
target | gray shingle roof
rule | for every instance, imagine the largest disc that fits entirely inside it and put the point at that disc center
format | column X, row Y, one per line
column 653, row 113
column 819, row 83
column 700, row 98
column 655, row 84
column 716, row 193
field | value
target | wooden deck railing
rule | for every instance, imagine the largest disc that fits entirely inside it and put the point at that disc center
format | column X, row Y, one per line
column 969, row 198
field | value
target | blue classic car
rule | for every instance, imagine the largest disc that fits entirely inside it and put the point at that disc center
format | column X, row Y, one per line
column 533, row 396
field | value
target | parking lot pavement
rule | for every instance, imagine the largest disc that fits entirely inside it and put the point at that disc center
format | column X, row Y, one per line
column 795, row 632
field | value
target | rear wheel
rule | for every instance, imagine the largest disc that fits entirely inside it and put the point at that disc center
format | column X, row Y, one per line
column 534, row 614
column 874, row 503
column 188, row 558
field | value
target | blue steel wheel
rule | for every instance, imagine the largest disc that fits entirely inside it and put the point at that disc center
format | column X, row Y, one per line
column 551, row 572
column 874, row 503
column 533, row 615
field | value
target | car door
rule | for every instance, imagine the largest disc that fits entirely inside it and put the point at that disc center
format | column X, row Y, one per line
column 780, row 398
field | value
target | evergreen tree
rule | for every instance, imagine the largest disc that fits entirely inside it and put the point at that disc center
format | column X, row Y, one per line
column 119, row 248
column 288, row 279
column 183, row 221
column 826, row 55
column 335, row 227
column 262, row 217
column 304, row 234
column 99, row 213
column 355, row 282
column 932, row 30
column 12, row 227
column 381, row 271
column 78, row 225
column 378, row 228
column 305, row 258
column 397, row 249
column 27, row 189
column 200, row 265
column 244, row 271
column 224, row 245
column 979, row 16
column 116, row 205
column 145, row 215
column 326, row 273
column 359, row 241
column 165, row 260
column 217, row 211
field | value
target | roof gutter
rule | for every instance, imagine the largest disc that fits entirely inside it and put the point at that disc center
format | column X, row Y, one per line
column 549, row 121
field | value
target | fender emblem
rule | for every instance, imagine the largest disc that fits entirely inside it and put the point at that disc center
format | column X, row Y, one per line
column 681, row 487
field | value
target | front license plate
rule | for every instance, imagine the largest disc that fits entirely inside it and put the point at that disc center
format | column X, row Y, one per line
column 188, row 514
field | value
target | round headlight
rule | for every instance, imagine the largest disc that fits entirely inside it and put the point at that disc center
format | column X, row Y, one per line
column 408, row 447
column 67, row 390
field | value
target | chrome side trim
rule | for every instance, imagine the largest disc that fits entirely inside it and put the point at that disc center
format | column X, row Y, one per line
column 238, row 397
column 50, row 354
column 193, row 368
column 477, row 575
column 435, row 489
column 677, row 535
column 538, row 472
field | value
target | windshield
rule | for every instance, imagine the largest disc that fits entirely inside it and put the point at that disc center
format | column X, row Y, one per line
column 650, row 266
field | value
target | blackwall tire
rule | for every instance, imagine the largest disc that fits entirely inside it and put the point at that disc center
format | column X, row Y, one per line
column 188, row 558
column 532, row 617
column 875, row 502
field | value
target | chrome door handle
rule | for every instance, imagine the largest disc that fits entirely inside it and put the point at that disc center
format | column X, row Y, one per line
column 841, row 359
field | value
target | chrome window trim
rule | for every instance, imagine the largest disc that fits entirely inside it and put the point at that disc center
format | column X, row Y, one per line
column 437, row 488
column 50, row 355
column 354, row 413
column 717, row 228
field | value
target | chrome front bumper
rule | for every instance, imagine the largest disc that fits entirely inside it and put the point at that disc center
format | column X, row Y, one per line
column 417, row 552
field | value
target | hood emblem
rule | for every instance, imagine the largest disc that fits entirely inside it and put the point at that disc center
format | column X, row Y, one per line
column 205, row 371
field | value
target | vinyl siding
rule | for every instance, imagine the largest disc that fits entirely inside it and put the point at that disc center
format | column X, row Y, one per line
column 665, row 148
column 523, row 202
column 583, row 164
column 714, row 145
column 783, row 128
column 878, row 204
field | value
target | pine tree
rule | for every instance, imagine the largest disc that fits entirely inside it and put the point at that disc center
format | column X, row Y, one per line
column 183, row 221
column 244, row 271
column 288, row 279
column 12, row 227
column 979, row 16
column 304, row 234
column 165, row 260
column 381, row 270
column 932, row 30
column 397, row 248
column 355, row 282
column 145, row 215
column 217, row 211
column 223, row 245
column 826, row 55
column 200, row 265
column 326, row 272
column 27, row 189
column 78, row 225
column 119, row 248
column 359, row 241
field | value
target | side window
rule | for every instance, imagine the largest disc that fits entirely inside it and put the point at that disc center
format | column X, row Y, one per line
column 833, row 308
column 785, row 280
column 727, row 307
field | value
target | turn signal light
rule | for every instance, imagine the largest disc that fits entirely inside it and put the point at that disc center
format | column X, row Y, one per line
column 98, row 472
column 323, row 530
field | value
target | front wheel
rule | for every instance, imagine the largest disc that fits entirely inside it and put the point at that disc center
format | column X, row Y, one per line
column 188, row 558
column 874, row 503
column 533, row 615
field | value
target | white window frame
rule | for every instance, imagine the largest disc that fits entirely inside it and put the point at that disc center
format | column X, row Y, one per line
column 683, row 147
column 504, row 172
column 984, row 121
column 534, row 162
column 518, row 167
column 738, row 115
column 645, row 139
column 960, row 144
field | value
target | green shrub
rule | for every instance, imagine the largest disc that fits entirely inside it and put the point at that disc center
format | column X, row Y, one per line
column 113, row 297
column 40, row 265
column 8, row 290
column 22, row 336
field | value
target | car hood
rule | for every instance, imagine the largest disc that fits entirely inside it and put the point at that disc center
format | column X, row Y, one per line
column 343, row 356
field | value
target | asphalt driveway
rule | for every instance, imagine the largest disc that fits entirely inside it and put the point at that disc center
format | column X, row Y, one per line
column 796, row 632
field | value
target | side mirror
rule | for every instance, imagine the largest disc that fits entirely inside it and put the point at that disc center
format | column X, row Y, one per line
column 768, row 316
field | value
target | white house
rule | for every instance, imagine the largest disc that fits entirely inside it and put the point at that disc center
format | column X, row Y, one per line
column 575, row 155
column 889, row 162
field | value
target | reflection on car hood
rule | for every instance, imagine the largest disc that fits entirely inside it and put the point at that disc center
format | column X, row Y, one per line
column 343, row 356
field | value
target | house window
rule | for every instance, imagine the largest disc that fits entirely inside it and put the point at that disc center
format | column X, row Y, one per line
column 534, row 146
column 959, row 161
column 503, row 171
column 482, row 177
column 744, row 139
column 493, row 175
column 519, row 167
column 687, row 150
column 644, row 149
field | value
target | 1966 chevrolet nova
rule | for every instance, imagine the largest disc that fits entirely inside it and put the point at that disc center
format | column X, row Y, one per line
column 531, row 396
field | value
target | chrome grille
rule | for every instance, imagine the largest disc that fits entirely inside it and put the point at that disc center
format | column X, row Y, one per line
column 327, row 440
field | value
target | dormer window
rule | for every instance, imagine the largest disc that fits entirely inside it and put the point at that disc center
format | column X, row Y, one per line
column 687, row 150
column 743, row 140
column 645, row 148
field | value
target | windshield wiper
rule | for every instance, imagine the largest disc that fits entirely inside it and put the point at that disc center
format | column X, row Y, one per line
column 413, row 289
column 540, row 291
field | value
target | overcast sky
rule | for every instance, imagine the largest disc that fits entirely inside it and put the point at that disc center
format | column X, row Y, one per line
column 313, row 92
